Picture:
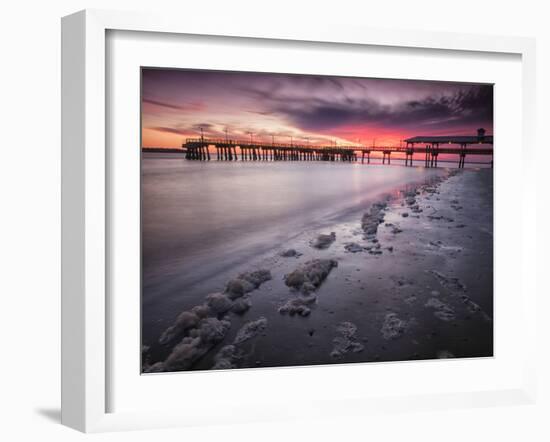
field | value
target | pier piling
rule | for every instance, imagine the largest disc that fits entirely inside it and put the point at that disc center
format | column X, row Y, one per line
column 226, row 150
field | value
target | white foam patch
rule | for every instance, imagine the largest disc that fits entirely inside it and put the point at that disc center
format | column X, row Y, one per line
column 190, row 349
column 184, row 321
column 310, row 275
column 298, row 306
column 230, row 356
column 346, row 341
column 448, row 282
column 442, row 311
column 393, row 326
column 250, row 330
column 324, row 241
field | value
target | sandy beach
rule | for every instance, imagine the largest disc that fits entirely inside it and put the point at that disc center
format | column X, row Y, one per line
column 406, row 277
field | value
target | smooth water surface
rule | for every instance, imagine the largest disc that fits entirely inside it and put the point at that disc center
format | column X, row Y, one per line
column 201, row 220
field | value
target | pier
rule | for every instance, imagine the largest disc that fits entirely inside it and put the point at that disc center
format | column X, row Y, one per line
column 426, row 147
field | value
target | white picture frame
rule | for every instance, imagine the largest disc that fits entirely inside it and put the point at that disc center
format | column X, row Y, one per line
column 85, row 210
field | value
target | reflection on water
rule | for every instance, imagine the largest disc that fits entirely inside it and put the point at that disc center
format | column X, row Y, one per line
column 200, row 219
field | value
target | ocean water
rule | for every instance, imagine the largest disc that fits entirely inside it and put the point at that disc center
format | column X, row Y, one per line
column 205, row 221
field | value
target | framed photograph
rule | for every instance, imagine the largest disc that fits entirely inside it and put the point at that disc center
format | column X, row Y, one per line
column 273, row 222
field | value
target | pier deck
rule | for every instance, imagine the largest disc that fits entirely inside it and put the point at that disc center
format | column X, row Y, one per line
column 430, row 148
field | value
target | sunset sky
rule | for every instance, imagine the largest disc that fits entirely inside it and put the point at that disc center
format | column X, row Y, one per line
column 177, row 103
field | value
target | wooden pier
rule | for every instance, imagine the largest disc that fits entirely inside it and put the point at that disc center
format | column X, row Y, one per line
column 435, row 145
column 427, row 147
column 229, row 150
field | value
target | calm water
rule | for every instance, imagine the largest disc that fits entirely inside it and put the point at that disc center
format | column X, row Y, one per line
column 202, row 220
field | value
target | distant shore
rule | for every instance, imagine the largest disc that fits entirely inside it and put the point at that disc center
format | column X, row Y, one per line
column 163, row 150
column 411, row 278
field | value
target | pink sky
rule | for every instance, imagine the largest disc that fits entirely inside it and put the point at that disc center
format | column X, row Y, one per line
column 176, row 104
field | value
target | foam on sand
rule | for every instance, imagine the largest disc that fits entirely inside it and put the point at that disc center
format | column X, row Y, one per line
column 346, row 341
column 298, row 306
column 241, row 306
column 246, row 282
column 448, row 281
column 474, row 308
column 231, row 355
column 184, row 321
column 372, row 218
column 250, row 330
column 290, row 253
column 219, row 302
column 203, row 326
column 323, row 241
column 393, row 327
column 442, row 311
column 228, row 357
column 353, row 247
column 209, row 332
column 309, row 276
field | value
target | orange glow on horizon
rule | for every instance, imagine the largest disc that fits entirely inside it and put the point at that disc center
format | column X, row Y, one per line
column 309, row 110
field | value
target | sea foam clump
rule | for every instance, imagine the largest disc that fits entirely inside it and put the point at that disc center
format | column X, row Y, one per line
column 449, row 282
column 442, row 311
column 310, row 275
column 372, row 218
column 241, row 306
column 184, row 321
column 230, row 356
column 209, row 332
column 353, row 247
column 393, row 327
column 290, row 253
column 474, row 308
column 346, row 341
column 199, row 322
column 298, row 306
column 219, row 303
column 202, row 311
column 227, row 358
column 250, row 330
column 246, row 282
column 324, row 241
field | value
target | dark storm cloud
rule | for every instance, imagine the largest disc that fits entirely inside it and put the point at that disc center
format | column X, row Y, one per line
column 207, row 128
column 204, row 126
column 288, row 88
column 467, row 105
column 235, row 104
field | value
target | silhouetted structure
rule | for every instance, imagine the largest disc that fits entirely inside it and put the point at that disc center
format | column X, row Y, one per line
column 226, row 149
column 433, row 147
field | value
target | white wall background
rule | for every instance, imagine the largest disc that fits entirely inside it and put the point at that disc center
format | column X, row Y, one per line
column 30, row 220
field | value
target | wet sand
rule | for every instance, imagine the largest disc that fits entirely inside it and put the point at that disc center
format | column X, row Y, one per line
column 407, row 277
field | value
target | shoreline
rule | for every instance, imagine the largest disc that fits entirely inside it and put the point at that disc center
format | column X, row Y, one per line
column 395, row 284
column 175, row 266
